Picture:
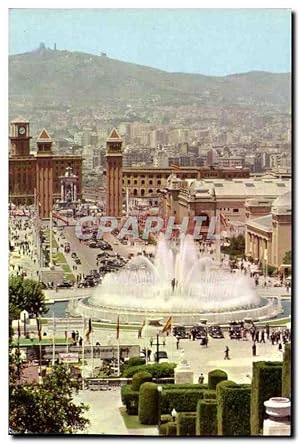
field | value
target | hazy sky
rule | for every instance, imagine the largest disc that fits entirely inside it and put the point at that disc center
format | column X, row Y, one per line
column 207, row 41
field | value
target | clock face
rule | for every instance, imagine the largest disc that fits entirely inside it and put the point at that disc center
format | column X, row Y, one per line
column 22, row 130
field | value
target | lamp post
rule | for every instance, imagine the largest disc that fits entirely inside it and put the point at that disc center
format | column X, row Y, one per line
column 157, row 347
column 159, row 390
column 174, row 414
column 24, row 315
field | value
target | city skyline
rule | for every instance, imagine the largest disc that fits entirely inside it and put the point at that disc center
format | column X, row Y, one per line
column 240, row 40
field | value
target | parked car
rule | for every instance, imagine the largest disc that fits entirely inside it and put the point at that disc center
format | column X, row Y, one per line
column 74, row 255
column 161, row 356
column 215, row 331
column 200, row 331
column 180, row 332
column 65, row 284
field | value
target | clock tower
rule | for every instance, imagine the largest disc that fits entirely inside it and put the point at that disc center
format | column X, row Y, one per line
column 19, row 137
column 114, row 175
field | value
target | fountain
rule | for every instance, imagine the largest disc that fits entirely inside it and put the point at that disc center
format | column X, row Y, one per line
column 181, row 283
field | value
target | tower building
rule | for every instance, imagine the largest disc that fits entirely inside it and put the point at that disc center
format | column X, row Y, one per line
column 114, row 174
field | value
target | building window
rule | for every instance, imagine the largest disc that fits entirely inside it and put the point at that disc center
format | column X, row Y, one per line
column 143, row 182
column 135, row 182
column 128, row 182
column 135, row 192
column 142, row 192
column 150, row 191
column 158, row 182
column 150, row 182
column 235, row 210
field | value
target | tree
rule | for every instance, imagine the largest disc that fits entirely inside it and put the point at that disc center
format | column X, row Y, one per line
column 25, row 294
column 287, row 258
column 47, row 408
column 236, row 247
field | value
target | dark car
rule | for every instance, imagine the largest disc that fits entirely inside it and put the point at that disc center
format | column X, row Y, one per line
column 199, row 331
column 215, row 331
column 235, row 330
column 93, row 245
column 65, row 284
column 180, row 332
column 161, row 356
column 74, row 255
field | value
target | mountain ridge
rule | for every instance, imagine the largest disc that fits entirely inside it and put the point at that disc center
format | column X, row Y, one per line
column 81, row 77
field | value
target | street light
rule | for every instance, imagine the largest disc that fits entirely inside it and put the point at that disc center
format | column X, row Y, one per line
column 24, row 315
column 159, row 390
column 174, row 414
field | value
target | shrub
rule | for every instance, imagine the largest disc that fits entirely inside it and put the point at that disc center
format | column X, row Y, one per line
column 186, row 424
column 214, row 377
column 135, row 361
column 139, row 378
column 130, row 399
column 148, row 404
column 233, row 409
column 163, row 429
column 286, row 371
column 162, row 370
column 266, row 383
column 206, row 420
column 183, row 400
column 171, row 429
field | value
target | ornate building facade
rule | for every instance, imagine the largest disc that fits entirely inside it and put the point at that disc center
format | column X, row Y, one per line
column 35, row 178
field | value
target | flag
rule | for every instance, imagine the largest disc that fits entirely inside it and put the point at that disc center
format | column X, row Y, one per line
column 39, row 328
column 223, row 220
column 175, row 167
column 167, row 325
column 90, row 329
column 118, row 327
column 59, row 217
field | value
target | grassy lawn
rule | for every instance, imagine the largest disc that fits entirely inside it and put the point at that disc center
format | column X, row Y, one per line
column 35, row 341
column 132, row 421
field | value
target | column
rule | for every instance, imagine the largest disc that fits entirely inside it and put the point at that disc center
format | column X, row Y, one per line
column 75, row 192
column 62, row 197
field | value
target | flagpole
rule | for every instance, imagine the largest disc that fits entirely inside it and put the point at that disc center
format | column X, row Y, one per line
column 92, row 354
column 82, row 358
column 51, row 235
column 118, row 357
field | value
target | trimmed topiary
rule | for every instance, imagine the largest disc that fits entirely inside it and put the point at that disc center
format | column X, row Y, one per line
column 148, row 403
column 216, row 376
column 206, row 420
column 286, row 371
column 139, row 378
column 130, row 399
column 186, row 424
column 132, row 362
column 171, row 429
column 166, row 418
column 184, row 386
column 233, row 409
column 266, row 383
column 163, row 370
column 183, row 400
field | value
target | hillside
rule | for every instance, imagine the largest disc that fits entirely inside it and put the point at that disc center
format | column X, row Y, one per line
column 62, row 76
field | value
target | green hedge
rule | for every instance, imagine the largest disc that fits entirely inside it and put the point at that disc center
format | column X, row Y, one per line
column 148, row 403
column 130, row 399
column 139, row 378
column 166, row 418
column 171, row 429
column 233, row 409
column 266, row 383
column 162, row 370
column 286, row 371
column 216, row 376
column 184, row 386
column 206, row 421
column 135, row 361
column 183, row 400
column 186, row 424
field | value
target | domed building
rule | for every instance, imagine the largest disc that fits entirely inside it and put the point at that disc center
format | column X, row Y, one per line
column 268, row 238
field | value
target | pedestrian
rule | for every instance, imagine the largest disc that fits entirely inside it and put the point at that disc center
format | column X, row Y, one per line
column 226, row 351
column 80, row 341
column 280, row 346
column 151, row 342
column 201, row 379
column 262, row 337
column 254, row 349
column 177, row 343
